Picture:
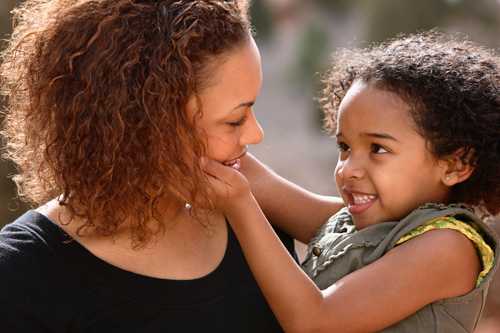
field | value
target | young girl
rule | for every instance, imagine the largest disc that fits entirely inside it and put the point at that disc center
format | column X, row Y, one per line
column 417, row 122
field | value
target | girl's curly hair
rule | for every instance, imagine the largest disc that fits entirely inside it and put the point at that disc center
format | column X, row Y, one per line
column 96, row 92
column 452, row 88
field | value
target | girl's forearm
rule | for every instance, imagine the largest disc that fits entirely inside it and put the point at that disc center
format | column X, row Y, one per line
column 292, row 208
column 293, row 297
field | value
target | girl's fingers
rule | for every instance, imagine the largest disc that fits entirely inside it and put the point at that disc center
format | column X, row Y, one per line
column 224, row 174
column 218, row 177
column 213, row 168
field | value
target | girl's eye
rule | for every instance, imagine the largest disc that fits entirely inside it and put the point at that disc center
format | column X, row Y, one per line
column 342, row 146
column 378, row 149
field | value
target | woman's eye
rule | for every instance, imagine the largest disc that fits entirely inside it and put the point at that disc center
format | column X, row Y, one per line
column 342, row 146
column 378, row 149
column 237, row 123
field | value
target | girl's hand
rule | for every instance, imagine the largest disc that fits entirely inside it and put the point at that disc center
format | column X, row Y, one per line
column 229, row 186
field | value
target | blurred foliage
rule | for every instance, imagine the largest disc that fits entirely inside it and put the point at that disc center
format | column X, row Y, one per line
column 10, row 206
column 382, row 19
column 262, row 19
column 312, row 52
column 5, row 8
column 484, row 13
column 388, row 18
column 334, row 5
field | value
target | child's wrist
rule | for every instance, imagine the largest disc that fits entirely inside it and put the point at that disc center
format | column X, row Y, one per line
column 240, row 205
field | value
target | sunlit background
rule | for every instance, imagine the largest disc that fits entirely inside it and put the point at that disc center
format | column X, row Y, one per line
column 296, row 39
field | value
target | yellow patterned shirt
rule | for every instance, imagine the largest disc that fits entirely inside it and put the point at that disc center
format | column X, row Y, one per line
column 484, row 250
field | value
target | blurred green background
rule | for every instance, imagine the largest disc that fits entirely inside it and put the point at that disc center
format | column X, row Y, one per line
column 10, row 206
column 296, row 39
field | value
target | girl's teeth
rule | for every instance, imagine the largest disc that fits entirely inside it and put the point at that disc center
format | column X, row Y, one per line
column 362, row 199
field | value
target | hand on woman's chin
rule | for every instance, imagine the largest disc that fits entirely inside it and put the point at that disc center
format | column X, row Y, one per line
column 228, row 185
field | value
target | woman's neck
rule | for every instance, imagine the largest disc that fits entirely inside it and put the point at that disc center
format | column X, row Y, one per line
column 172, row 217
column 186, row 249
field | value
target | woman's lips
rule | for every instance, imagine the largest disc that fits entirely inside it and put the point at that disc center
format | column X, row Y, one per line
column 235, row 164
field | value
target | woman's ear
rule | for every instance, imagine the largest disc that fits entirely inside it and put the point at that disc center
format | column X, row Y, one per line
column 457, row 167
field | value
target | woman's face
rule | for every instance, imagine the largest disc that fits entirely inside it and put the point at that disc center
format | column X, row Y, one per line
column 227, row 117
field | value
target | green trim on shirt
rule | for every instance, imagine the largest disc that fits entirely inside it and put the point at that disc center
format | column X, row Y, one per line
column 447, row 222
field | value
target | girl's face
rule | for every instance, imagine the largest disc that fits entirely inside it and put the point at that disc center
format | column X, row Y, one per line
column 227, row 117
column 384, row 169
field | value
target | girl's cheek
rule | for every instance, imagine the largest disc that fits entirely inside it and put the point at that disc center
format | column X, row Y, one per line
column 337, row 172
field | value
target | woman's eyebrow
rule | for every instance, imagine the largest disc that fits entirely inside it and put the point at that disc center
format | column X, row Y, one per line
column 244, row 104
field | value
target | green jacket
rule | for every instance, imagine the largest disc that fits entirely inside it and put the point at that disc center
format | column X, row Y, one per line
column 339, row 249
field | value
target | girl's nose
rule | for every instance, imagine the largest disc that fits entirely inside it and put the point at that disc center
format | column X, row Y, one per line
column 350, row 168
column 253, row 132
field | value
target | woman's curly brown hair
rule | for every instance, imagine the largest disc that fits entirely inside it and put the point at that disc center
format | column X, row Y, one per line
column 452, row 87
column 96, row 92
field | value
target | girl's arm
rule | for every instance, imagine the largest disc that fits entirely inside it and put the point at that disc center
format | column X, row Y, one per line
column 295, row 210
column 435, row 265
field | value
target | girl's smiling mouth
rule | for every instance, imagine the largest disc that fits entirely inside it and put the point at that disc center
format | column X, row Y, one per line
column 357, row 202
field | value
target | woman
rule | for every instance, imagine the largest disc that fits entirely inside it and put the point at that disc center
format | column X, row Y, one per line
column 111, row 105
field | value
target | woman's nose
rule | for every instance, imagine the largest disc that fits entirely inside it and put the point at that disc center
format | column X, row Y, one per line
column 253, row 132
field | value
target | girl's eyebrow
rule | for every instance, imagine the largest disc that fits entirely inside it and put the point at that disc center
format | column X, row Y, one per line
column 373, row 135
column 380, row 136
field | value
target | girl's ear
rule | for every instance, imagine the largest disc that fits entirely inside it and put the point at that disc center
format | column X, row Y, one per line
column 457, row 167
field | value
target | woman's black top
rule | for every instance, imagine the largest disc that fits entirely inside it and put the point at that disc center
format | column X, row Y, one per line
column 52, row 284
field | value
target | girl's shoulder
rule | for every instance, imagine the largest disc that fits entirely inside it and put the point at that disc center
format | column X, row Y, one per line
column 339, row 249
column 463, row 229
column 449, row 259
